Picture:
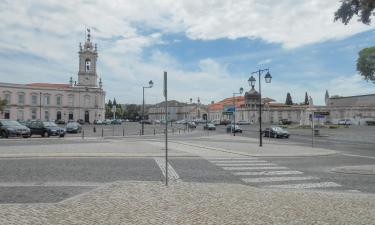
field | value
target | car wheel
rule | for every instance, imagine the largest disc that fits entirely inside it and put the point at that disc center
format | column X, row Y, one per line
column 4, row 134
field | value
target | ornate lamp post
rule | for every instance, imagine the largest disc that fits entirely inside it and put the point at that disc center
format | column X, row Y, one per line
column 234, row 111
column 150, row 84
column 252, row 81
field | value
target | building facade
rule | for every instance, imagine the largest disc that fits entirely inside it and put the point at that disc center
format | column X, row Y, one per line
column 84, row 99
column 358, row 109
column 177, row 111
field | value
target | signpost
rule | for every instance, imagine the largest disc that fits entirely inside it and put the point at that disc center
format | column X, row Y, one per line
column 166, row 127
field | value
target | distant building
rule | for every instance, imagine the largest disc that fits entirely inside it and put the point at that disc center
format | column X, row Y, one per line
column 84, row 99
column 356, row 108
column 177, row 111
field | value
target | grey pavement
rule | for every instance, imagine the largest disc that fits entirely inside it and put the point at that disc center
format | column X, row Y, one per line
column 195, row 203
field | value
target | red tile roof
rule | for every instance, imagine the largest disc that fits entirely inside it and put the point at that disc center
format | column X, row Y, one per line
column 48, row 85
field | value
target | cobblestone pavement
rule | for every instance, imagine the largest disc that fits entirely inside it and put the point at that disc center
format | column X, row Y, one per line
column 192, row 203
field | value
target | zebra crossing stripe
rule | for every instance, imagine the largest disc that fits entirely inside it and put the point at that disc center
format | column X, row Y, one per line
column 172, row 174
column 252, row 164
column 305, row 185
column 238, row 161
column 256, row 168
column 275, row 179
column 220, row 159
column 268, row 173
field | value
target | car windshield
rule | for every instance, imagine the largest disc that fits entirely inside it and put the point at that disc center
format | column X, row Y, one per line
column 49, row 124
column 72, row 124
column 10, row 123
column 278, row 129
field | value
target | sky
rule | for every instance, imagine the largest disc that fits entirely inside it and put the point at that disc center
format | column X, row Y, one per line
column 209, row 48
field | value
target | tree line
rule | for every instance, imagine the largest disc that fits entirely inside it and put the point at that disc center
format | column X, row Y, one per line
column 123, row 111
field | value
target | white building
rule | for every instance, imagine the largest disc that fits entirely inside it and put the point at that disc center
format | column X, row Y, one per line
column 84, row 99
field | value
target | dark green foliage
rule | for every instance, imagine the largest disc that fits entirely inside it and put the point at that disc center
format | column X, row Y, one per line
column 288, row 100
column 366, row 63
column 114, row 102
column 306, row 99
column 361, row 8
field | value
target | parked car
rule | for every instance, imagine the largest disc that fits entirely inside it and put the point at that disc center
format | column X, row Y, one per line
column 60, row 121
column 81, row 121
column 46, row 129
column 370, row 122
column 73, row 128
column 116, row 121
column 98, row 122
column 191, row 124
column 345, row 122
column 285, row 122
column 156, row 121
column 107, row 122
column 216, row 122
column 276, row 132
column 225, row 122
column 181, row 122
column 145, row 121
column 234, row 129
column 209, row 126
column 11, row 128
column 243, row 122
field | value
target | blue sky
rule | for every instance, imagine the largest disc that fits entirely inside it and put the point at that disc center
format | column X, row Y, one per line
column 209, row 48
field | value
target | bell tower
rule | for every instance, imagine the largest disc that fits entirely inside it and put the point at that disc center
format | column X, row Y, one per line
column 88, row 55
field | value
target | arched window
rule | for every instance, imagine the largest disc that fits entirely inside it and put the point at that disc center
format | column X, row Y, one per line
column 87, row 65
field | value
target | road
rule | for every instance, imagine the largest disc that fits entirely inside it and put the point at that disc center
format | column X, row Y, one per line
column 52, row 179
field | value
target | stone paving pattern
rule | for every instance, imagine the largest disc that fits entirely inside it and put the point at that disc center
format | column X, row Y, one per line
column 193, row 203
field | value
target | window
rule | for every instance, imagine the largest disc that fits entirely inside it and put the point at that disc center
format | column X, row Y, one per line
column 21, row 99
column 46, row 100
column 33, row 114
column 20, row 114
column 71, row 100
column 58, row 100
column 34, row 99
column 7, row 97
column 46, row 115
column 87, row 65
column 87, row 101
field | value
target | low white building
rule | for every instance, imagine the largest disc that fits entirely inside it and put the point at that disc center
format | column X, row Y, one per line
column 84, row 99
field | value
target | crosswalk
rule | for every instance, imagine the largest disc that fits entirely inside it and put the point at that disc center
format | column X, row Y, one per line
column 262, row 173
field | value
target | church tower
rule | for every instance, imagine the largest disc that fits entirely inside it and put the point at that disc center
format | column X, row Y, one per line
column 87, row 63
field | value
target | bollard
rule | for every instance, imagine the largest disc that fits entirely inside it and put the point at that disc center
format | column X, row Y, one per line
column 154, row 132
column 140, row 132
column 94, row 129
column 179, row 131
column 184, row 130
column 113, row 130
column 102, row 133
column 173, row 130
column 123, row 131
column 83, row 134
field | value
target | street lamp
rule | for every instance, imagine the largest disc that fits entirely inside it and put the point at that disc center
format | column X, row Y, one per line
column 150, row 84
column 252, row 81
column 234, row 110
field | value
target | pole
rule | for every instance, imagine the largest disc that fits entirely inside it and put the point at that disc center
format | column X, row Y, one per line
column 40, row 105
column 166, row 129
column 312, row 130
column 234, row 115
column 143, row 111
column 260, row 113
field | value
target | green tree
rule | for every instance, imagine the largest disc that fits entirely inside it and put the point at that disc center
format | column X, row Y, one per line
column 366, row 63
column 361, row 8
column 114, row 102
column 132, row 112
column 110, row 103
column 306, row 99
column 3, row 102
column 288, row 100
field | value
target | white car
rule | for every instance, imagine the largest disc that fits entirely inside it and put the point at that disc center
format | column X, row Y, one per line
column 345, row 122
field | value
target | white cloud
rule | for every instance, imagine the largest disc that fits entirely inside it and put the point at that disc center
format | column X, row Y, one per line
column 265, row 61
column 52, row 29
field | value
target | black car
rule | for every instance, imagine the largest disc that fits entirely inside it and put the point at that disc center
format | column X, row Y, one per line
column 60, row 121
column 11, row 128
column 81, row 121
column 46, row 129
column 116, row 121
column 234, row 129
column 73, row 128
column 276, row 132
column 209, row 126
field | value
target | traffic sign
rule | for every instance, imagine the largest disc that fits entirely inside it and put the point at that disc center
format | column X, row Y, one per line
column 324, row 113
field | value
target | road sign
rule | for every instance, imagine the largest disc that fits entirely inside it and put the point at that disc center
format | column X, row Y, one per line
column 229, row 108
column 322, row 113
column 319, row 116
